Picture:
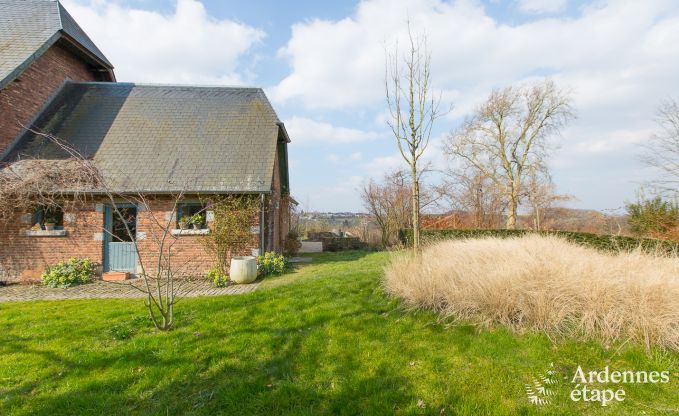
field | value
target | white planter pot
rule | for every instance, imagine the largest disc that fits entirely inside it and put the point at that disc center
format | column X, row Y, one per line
column 243, row 269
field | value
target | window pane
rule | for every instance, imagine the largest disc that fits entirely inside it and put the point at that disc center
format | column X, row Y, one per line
column 118, row 230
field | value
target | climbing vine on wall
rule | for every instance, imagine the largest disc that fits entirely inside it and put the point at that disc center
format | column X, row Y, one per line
column 230, row 233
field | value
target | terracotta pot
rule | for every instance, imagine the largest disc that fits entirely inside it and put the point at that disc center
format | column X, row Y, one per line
column 243, row 269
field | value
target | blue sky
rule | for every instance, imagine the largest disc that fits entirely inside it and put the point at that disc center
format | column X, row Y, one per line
column 321, row 64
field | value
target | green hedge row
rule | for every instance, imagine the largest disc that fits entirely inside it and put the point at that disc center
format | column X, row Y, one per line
column 612, row 243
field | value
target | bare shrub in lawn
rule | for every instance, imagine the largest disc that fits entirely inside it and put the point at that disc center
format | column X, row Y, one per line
column 545, row 284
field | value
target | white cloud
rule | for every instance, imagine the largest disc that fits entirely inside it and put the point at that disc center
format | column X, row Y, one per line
column 613, row 141
column 542, row 6
column 307, row 131
column 187, row 46
column 617, row 52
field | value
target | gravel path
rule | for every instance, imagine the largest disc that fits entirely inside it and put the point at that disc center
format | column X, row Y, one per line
column 100, row 289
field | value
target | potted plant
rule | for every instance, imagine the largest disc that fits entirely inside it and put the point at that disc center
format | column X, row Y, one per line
column 184, row 222
column 50, row 223
column 197, row 221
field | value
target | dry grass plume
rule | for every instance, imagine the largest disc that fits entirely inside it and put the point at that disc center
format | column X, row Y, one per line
column 545, row 284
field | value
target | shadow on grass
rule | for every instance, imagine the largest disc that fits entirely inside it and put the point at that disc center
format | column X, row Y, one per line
column 279, row 381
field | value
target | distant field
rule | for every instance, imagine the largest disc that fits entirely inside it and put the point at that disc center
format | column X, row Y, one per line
column 325, row 339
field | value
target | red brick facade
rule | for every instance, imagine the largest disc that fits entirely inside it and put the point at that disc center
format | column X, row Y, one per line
column 24, row 255
column 23, row 97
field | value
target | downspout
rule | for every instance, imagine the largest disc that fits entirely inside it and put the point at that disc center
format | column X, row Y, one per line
column 261, row 227
column 271, row 225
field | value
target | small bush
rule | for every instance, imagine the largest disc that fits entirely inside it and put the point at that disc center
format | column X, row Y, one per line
column 609, row 243
column 271, row 264
column 217, row 277
column 292, row 244
column 72, row 272
column 653, row 217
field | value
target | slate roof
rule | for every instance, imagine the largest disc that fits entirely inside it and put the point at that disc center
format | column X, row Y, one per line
column 156, row 138
column 29, row 27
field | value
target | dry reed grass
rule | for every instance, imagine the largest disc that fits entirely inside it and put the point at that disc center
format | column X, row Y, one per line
column 545, row 284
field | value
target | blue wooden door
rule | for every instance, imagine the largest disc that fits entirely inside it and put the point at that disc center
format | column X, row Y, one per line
column 119, row 252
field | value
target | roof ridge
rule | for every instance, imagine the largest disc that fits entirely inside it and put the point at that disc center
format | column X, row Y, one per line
column 163, row 85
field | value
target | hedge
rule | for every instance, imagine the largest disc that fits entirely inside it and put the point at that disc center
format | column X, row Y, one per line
column 611, row 243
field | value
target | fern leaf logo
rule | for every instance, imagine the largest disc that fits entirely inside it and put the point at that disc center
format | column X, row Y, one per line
column 539, row 391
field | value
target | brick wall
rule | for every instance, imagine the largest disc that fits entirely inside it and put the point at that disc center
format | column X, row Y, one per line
column 21, row 99
column 189, row 256
column 24, row 257
column 277, row 214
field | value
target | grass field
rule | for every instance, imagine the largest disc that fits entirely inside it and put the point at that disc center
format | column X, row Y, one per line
column 324, row 339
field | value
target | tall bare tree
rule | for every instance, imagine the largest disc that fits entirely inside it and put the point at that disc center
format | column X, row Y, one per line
column 507, row 136
column 663, row 148
column 389, row 204
column 413, row 108
column 541, row 196
column 474, row 195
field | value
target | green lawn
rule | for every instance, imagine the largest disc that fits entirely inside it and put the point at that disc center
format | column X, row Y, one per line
column 321, row 340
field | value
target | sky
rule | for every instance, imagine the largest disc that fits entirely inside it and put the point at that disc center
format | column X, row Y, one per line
column 321, row 63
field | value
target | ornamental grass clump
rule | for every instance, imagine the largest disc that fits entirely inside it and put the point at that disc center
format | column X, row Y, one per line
column 68, row 273
column 545, row 284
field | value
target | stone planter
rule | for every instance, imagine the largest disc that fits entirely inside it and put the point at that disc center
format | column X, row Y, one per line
column 197, row 226
column 243, row 269
column 49, row 226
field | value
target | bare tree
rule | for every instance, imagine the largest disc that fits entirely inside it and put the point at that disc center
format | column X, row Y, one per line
column 413, row 109
column 540, row 194
column 473, row 194
column 507, row 136
column 389, row 203
column 72, row 180
column 663, row 148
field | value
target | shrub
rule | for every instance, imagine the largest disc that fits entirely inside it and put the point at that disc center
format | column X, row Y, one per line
column 217, row 277
column 609, row 243
column 547, row 284
column 65, row 274
column 292, row 244
column 653, row 217
column 271, row 264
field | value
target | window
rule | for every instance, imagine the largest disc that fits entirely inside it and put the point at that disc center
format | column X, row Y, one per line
column 50, row 216
column 186, row 211
column 121, row 223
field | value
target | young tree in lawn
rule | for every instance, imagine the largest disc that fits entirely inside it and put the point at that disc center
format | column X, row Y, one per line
column 75, row 179
column 507, row 137
column 413, row 108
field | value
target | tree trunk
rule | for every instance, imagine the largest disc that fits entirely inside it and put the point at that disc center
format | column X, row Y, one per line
column 511, row 213
column 415, row 207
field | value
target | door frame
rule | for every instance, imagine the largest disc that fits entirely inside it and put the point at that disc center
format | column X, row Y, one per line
column 108, row 224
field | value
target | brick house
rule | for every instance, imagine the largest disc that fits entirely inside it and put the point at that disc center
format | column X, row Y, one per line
column 157, row 140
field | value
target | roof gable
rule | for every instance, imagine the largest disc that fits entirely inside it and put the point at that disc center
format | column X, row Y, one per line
column 29, row 27
column 156, row 138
